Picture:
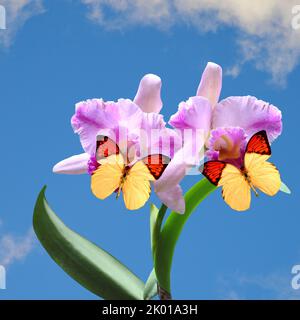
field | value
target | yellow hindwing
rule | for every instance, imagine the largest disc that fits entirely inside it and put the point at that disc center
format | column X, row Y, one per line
column 262, row 174
column 107, row 178
column 136, row 188
column 236, row 190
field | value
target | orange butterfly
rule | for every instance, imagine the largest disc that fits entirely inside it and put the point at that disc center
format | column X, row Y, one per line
column 256, row 172
column 115, row 174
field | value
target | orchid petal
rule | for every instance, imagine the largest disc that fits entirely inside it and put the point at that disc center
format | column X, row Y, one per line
column 211, row 83
column 152, row 121
column 129, row 113
column 250, row 114
column 77, row 164
column 193, row 114
column 148, row 95
column 92, row 116
column 185, row 159
column 156, row 138
column 89, row 116
column 173, row 199
column 170, row 143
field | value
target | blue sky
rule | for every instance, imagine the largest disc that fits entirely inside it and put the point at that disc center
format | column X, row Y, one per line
column 56, row 53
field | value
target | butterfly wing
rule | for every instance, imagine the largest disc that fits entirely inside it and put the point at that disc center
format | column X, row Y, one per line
column 259, row 144
column 136, row 188
column 156, row 163
column 212, row 170
column 106, row 179
column 262, row 174
column 235, row 188
column 105, row 147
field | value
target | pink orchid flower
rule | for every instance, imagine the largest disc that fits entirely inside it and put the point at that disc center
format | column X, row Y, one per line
column 96, row 117
column 227, row 124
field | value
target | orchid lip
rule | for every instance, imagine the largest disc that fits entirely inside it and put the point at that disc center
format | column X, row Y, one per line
column 229, row 151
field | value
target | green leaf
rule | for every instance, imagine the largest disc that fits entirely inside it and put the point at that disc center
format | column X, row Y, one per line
column 172, row 229
column 284, row 188
column 150, row 290
column 156, row 219
column 94, row 268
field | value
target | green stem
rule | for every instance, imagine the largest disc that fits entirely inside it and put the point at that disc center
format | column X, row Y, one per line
column 172, row 229
column 156, row 233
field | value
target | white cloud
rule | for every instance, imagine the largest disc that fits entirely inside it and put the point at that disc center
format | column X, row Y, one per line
column 127, row 12
column 264, row 34
column 276, row 285
column 15, row 248
column 17, row 13
column 234, row 71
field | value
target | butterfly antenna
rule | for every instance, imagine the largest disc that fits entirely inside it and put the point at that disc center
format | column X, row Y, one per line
column 254, row 190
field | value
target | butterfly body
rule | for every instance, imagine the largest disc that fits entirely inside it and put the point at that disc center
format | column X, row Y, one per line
column 256, row 173
column 123, row 178
column 114, row 174
column 248, row 179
